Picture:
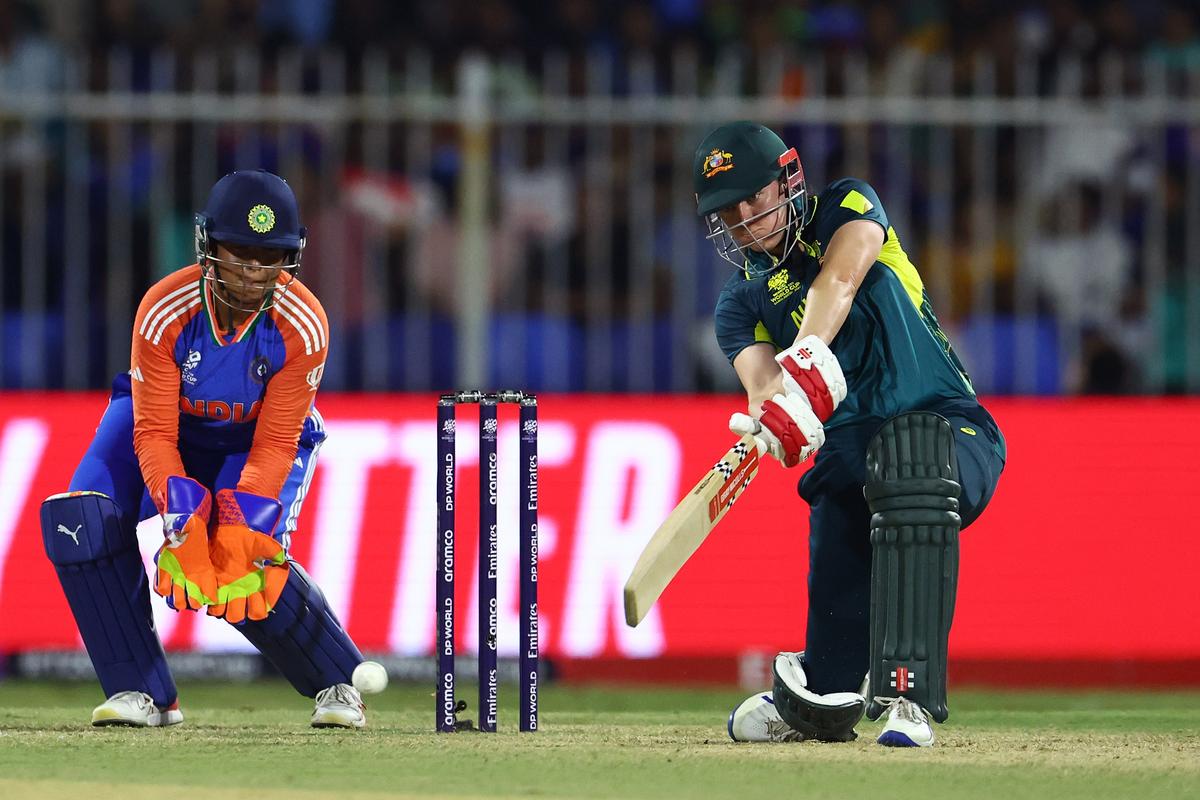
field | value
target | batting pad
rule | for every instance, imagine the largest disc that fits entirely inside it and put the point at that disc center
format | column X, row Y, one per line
column 303, row 638
column 912, row 491
column 101, row 573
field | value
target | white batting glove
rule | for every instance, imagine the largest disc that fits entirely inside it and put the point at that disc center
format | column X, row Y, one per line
column 811, row 369
column 789, row 430
column 767, row 443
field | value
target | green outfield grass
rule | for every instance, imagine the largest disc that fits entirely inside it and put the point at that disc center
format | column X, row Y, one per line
column 253, row 741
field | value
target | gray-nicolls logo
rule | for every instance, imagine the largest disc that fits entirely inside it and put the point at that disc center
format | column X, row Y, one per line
column 74, row 534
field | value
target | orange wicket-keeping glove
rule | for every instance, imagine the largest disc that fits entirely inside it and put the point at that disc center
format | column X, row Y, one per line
column 183, row 571
column 251, row 566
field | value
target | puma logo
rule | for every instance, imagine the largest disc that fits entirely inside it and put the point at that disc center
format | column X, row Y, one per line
column 74, row 534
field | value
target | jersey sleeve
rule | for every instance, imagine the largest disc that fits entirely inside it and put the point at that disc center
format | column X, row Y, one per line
column 155, row 380
column 844, row 201
column 737, row 326
column 289, row 394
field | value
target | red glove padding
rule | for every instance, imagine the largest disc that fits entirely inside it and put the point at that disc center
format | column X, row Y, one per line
column 793, row 424
column 251, row 567
column 810, row 368
column 183, row 572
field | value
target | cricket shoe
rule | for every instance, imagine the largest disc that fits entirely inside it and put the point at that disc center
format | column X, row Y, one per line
column 907, row 724
column 756, row 720
column 339, row 706
column 137, row 710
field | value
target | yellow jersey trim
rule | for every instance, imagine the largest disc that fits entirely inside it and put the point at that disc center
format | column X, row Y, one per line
column 855, row 201
column 893, row 256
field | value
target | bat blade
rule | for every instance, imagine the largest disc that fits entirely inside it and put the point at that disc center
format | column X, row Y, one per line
column 687, row 526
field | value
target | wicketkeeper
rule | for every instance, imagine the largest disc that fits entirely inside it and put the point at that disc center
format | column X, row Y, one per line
column 214, row 427
column 827, row 324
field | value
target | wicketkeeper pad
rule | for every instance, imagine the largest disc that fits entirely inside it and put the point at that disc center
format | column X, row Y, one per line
column 912, row 491
column 303, row 638
column 101, row 573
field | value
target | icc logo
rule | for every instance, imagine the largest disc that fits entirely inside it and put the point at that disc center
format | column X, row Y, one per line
column 189, row 364
column 448, row 426
column 489, row 426
column 530, row 427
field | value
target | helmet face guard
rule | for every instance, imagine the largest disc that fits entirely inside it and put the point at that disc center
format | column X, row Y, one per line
column 793, row 195
column 249, row 208
column 225, row 290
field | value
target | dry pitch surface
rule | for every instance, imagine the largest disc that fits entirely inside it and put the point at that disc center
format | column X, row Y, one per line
column 254, row 742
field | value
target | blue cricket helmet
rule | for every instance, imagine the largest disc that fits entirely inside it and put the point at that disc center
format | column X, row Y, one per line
column 251, row 207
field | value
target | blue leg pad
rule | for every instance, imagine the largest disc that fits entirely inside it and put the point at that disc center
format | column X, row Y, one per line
column 101, row 572
column 303, row 638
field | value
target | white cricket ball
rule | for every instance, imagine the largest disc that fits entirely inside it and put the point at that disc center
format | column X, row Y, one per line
column 370, row 677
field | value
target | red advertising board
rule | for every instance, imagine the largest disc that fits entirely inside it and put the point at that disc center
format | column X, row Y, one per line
column 1082, row 563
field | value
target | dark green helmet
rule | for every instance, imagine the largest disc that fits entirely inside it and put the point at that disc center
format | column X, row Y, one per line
column 731, row 164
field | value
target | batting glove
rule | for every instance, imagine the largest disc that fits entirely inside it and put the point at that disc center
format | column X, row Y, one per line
column 810, row 368
column 788, row 429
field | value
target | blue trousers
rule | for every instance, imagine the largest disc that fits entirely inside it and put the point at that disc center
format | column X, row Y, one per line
column 837, row 641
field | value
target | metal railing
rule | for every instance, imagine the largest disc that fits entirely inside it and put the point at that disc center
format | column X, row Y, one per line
column 492, row 224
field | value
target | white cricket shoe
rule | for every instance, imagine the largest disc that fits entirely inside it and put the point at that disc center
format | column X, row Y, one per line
column 137, row 710
column 907, row 724
column 756, row 720
column 339, row 706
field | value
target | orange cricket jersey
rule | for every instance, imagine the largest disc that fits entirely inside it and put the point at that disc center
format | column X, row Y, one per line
column 195, row 387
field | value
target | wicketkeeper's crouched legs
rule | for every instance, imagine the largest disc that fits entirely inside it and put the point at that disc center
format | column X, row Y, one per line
column 303, row 638
column 100, row 568
column 912, row 490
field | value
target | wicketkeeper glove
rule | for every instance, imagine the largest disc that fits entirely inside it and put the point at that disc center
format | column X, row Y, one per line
column 251, row 567
column 184, row 573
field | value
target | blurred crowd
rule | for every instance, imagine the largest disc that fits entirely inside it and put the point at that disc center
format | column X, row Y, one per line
column 1079, row 214
column 1166, row 29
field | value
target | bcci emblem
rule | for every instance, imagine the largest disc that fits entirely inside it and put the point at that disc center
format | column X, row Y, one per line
column 262, row 219
column 260, row 368
column 717, row 161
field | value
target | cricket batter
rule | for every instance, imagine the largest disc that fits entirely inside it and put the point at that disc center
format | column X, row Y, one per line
column 828, row 326
column 217, row 405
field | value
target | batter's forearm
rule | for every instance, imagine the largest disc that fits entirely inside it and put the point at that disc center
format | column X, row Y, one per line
column 826, row 305
column 852, row 251
column 764, row 392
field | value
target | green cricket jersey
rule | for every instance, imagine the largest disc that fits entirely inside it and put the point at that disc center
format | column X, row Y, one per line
column 892, row 350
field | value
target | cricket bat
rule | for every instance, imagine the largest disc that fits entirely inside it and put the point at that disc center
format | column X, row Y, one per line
column 686, row 528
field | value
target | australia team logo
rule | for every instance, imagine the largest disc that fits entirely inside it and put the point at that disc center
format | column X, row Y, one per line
column 261, row 218
column 717, row 161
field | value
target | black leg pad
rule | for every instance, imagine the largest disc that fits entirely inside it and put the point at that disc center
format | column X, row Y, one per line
column 912, row 491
